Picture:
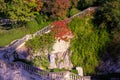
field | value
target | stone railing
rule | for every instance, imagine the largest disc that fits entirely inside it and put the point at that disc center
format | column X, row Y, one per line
column 40, row 73
column 85, row 12
column 42, row 31
column 27, row 37
column 50, row 75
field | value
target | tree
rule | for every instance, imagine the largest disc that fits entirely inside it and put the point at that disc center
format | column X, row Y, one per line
column 82, row 4
column 20, row 10
column 56, row 8
column 39, row 5
column 74, row 3
column 47, row 6
column 2, row 5
column 60, row 8
column 108, row 16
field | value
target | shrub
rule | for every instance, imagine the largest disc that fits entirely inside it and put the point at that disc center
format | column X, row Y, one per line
column 33, row 26
column 41, row 61
column 58, row 70
column 41, row 42
column 73, row 11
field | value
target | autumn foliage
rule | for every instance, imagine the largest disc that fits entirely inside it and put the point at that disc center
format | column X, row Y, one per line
column 38, row 4
column 60, row 8
column 61, row 30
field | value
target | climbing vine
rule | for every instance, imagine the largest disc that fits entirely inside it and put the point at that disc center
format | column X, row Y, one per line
column 61, row 30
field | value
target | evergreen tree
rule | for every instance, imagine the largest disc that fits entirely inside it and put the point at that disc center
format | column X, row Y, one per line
column 108, row 16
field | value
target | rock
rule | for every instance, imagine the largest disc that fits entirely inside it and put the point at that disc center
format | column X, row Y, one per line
column 80, row 71
column 22, row 51
column 61, row 55
column 65, row 62
column 110, row 66
column 60, row 46
column 58, row 61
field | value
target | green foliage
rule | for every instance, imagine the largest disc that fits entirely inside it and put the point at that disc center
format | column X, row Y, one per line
column 74, row 71
column 109, row 15
column 38, row 23
column 85, row 3
column 41, row 19
column 41, row 42
column 41, row 61
column 87, row 44
column 74, row 3
column 33, row 26
column 58, row 70
column 73, row 11
column 2, row 5
column 18, row 10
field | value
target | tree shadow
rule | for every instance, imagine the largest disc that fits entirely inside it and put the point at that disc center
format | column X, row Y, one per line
column 109, row 76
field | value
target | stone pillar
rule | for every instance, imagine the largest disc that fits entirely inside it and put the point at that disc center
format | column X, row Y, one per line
column 80, row 71
column 52, row 61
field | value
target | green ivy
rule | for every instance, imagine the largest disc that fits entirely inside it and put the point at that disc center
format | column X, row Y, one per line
column 88, row 44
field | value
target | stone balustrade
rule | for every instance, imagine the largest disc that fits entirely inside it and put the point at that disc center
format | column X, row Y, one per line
column 85, row 12
column 40, row 73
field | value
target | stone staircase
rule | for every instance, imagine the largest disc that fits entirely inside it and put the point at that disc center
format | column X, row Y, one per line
column 26, row 72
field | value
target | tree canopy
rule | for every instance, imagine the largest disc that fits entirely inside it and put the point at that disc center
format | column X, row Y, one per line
column 19, row 10
column 56, row 8
column 109, row 15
